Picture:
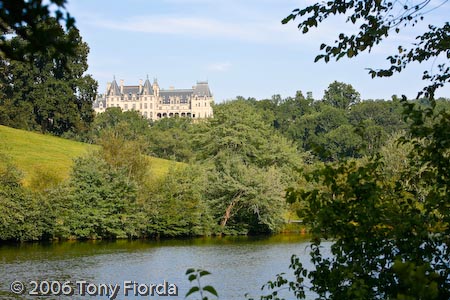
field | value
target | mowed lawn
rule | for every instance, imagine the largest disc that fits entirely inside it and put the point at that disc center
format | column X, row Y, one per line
column 33, row 153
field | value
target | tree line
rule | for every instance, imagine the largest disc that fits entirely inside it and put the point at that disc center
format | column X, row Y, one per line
column 232, row 176
column 385, row 205
column 236, row 167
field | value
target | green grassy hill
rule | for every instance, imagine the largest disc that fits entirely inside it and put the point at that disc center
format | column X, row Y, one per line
column 33, row 153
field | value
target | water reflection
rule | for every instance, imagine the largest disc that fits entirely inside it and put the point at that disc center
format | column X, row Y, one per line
column 239, row 264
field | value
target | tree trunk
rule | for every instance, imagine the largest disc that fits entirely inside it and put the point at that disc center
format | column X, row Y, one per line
column 227, row 214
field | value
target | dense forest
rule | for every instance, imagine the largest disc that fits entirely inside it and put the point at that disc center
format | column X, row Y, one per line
column 234, row 173
column 372, row 175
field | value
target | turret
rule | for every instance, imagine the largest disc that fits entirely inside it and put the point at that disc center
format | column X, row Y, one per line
column 147, row 89
column 156, row 87
column 113, row 89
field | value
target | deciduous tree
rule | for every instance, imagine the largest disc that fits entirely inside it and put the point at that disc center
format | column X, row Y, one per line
column 49, row 92
column 389, row 230
column 25, row 19
column 374, row 22
column 341, row 95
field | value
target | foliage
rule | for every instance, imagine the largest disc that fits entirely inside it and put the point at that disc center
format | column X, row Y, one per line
column 168, row 138
column 389, row 227
column 50, row 92
column 240, row 164
column 97, row 202
column 248, row 166
column 43, row 179
column 387, row 114
column 240, row 129
column 376, row 21
column 290, row 110
column 244, row 198
column 171, row 138
column 339, row 126
column 342, row 142
column 23, row 215
column 125, row 156
column 130, row 125
column 175, row 205
column 194, row 275
column 25, row 19
column 341, row 95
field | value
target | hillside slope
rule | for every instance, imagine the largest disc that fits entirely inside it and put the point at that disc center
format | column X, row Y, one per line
column 33, row 153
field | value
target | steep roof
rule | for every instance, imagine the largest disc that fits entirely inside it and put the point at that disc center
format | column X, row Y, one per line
column 202, row 89
column 114, row 89
column 183, row 94
column 130, row 89
column 99, row 99
column 147, row 89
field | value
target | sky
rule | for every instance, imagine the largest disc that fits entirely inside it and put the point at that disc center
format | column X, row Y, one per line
column 239, row 46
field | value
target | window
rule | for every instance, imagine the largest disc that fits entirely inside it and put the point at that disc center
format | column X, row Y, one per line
column 126, row 106
column 145, row 105
column 134, row 106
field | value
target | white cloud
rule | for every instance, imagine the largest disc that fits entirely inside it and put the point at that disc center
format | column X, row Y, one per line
column 265, row 31
column 219, row 67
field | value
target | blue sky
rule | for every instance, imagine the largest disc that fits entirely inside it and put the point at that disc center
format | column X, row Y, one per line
column 239, row 46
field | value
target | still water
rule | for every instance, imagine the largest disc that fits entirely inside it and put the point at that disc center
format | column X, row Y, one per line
column 239, row 265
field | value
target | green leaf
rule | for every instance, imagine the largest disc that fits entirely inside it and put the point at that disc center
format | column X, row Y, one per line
column 203, row 273
column 189, row 271
column 192, row 277
column 211, row 289
column 192, row 290
column 318, row 57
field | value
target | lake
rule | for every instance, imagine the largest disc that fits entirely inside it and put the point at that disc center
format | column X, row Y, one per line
column 239, row 265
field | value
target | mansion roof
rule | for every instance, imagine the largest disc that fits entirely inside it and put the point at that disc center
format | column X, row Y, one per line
column 201, row 89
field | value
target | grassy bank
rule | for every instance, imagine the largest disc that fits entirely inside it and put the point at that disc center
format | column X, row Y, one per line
column 35, row 153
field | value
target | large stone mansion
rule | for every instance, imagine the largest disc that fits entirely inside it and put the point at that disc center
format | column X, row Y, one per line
column 155, row 103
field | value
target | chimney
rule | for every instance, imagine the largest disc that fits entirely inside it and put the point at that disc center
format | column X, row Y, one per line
column 140, row 86
column 171, row 87
column 121, row 86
